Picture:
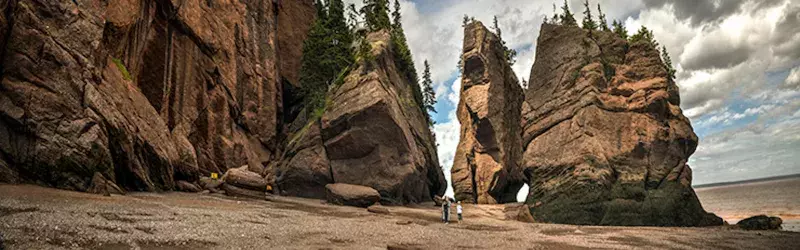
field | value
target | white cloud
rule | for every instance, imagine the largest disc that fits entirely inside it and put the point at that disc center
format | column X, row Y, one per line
column 447, row 136
column 793, row 80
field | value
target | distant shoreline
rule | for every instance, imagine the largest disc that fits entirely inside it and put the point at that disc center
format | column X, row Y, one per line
column 774, row 178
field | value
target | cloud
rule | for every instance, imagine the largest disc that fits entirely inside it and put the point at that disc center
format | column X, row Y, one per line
column 793, row 80
column 700, row 12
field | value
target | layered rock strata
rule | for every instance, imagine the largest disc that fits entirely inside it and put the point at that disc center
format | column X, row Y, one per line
column 606, row 142
column 486, row 164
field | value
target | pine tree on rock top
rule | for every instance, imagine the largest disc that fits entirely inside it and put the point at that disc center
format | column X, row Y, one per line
column 567, row 19
column 588, row 22
column 428, row 92
column 619, row 29
column 603, row 23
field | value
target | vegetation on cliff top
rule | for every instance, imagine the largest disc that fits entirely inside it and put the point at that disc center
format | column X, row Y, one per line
column 329, row 52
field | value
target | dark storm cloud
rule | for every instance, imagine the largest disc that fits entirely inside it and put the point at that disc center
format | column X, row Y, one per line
column 705, row 11
column 718, row 56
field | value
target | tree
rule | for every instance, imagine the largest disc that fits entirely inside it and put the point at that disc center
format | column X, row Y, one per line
column 588, row 22
column 466, row 21
column 555, row 18
column 603, row 23
column 326, row 52
column 429, row 96
column 644, row 35
column 341, row 37
column 567, row 18
column 396, row 17
column 352, row 13
column 510, row 54
column 524, row 84
column 668, row 64
column 376, row 14
column 620, row 30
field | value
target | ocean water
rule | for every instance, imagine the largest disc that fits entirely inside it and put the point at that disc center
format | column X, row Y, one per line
column 739, row 201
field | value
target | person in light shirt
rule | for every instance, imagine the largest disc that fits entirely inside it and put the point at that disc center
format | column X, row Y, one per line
column 459, row 210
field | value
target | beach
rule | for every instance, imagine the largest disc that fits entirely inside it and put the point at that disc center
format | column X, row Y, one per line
column 43, row 218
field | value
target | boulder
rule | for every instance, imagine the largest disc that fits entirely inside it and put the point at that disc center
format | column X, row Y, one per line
column 243, row 178
column 378, row 209
column 486, row 164
column 760, row 222
column 144, row 92
column 101, row 185
column 606, row 142
column 351, row 195
column 187, row 187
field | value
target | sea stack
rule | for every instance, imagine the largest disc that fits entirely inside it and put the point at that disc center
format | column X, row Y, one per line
column 606, row 142
column 486, row 165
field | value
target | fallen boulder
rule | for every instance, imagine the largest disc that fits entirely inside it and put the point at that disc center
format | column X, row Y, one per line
column 378, row 209
column 351, row 195
column 243, row 178
column 210, row 184
column 760, row 222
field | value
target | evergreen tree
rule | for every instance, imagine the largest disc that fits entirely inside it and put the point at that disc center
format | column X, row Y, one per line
column 555, row 18
column 341, row 37
column 620, row 29
column 510, row 54
column 326, row 52
column 524, row 84
column 567, row 19
column 376, row 14
column 396, row 17
column 428, row 93
column 645, row 35
column 588, row 22
column 466, row 21
column 668, row 64
column 353, row 17
column 603, row 23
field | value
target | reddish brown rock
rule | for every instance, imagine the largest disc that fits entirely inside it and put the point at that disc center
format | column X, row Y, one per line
column 351, row 195
column 243, row 178
column 375, row 134
column 371, row 133
column 144, row 92
column 187, row 187
column 486, row 164
column 101, row 185
column 605, row 140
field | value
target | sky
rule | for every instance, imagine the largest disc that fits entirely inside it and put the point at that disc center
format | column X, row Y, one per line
column 737, row 61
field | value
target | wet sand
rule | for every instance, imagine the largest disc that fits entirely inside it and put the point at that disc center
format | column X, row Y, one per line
column 41, row 218
column 739, row 201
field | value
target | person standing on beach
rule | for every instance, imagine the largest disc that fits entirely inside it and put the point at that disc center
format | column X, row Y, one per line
column 444, row 203
column 459, row 210
column 447, row 205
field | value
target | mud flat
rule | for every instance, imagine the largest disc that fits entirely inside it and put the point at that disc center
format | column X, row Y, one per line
column 41, row 218
column 738, row 201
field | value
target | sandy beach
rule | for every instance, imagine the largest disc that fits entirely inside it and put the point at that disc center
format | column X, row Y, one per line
column 43, row 218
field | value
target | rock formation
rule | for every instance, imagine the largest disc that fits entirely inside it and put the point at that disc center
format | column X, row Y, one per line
column 486, row 165
column 143, row 92
column 605, row 140
column 371, row 133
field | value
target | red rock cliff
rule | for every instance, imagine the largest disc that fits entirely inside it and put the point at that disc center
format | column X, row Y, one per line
column 143, row 92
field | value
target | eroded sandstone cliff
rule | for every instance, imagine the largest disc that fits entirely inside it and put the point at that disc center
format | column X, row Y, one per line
column 144, row 92
column 371, row 133
column 606, row 142
column 486, row 165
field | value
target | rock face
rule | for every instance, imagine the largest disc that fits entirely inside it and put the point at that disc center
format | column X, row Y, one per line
column 605, row 140
column 371, row 133
column 760, row 222
column 486, row 165
column 143, row 92
column 351, row 195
